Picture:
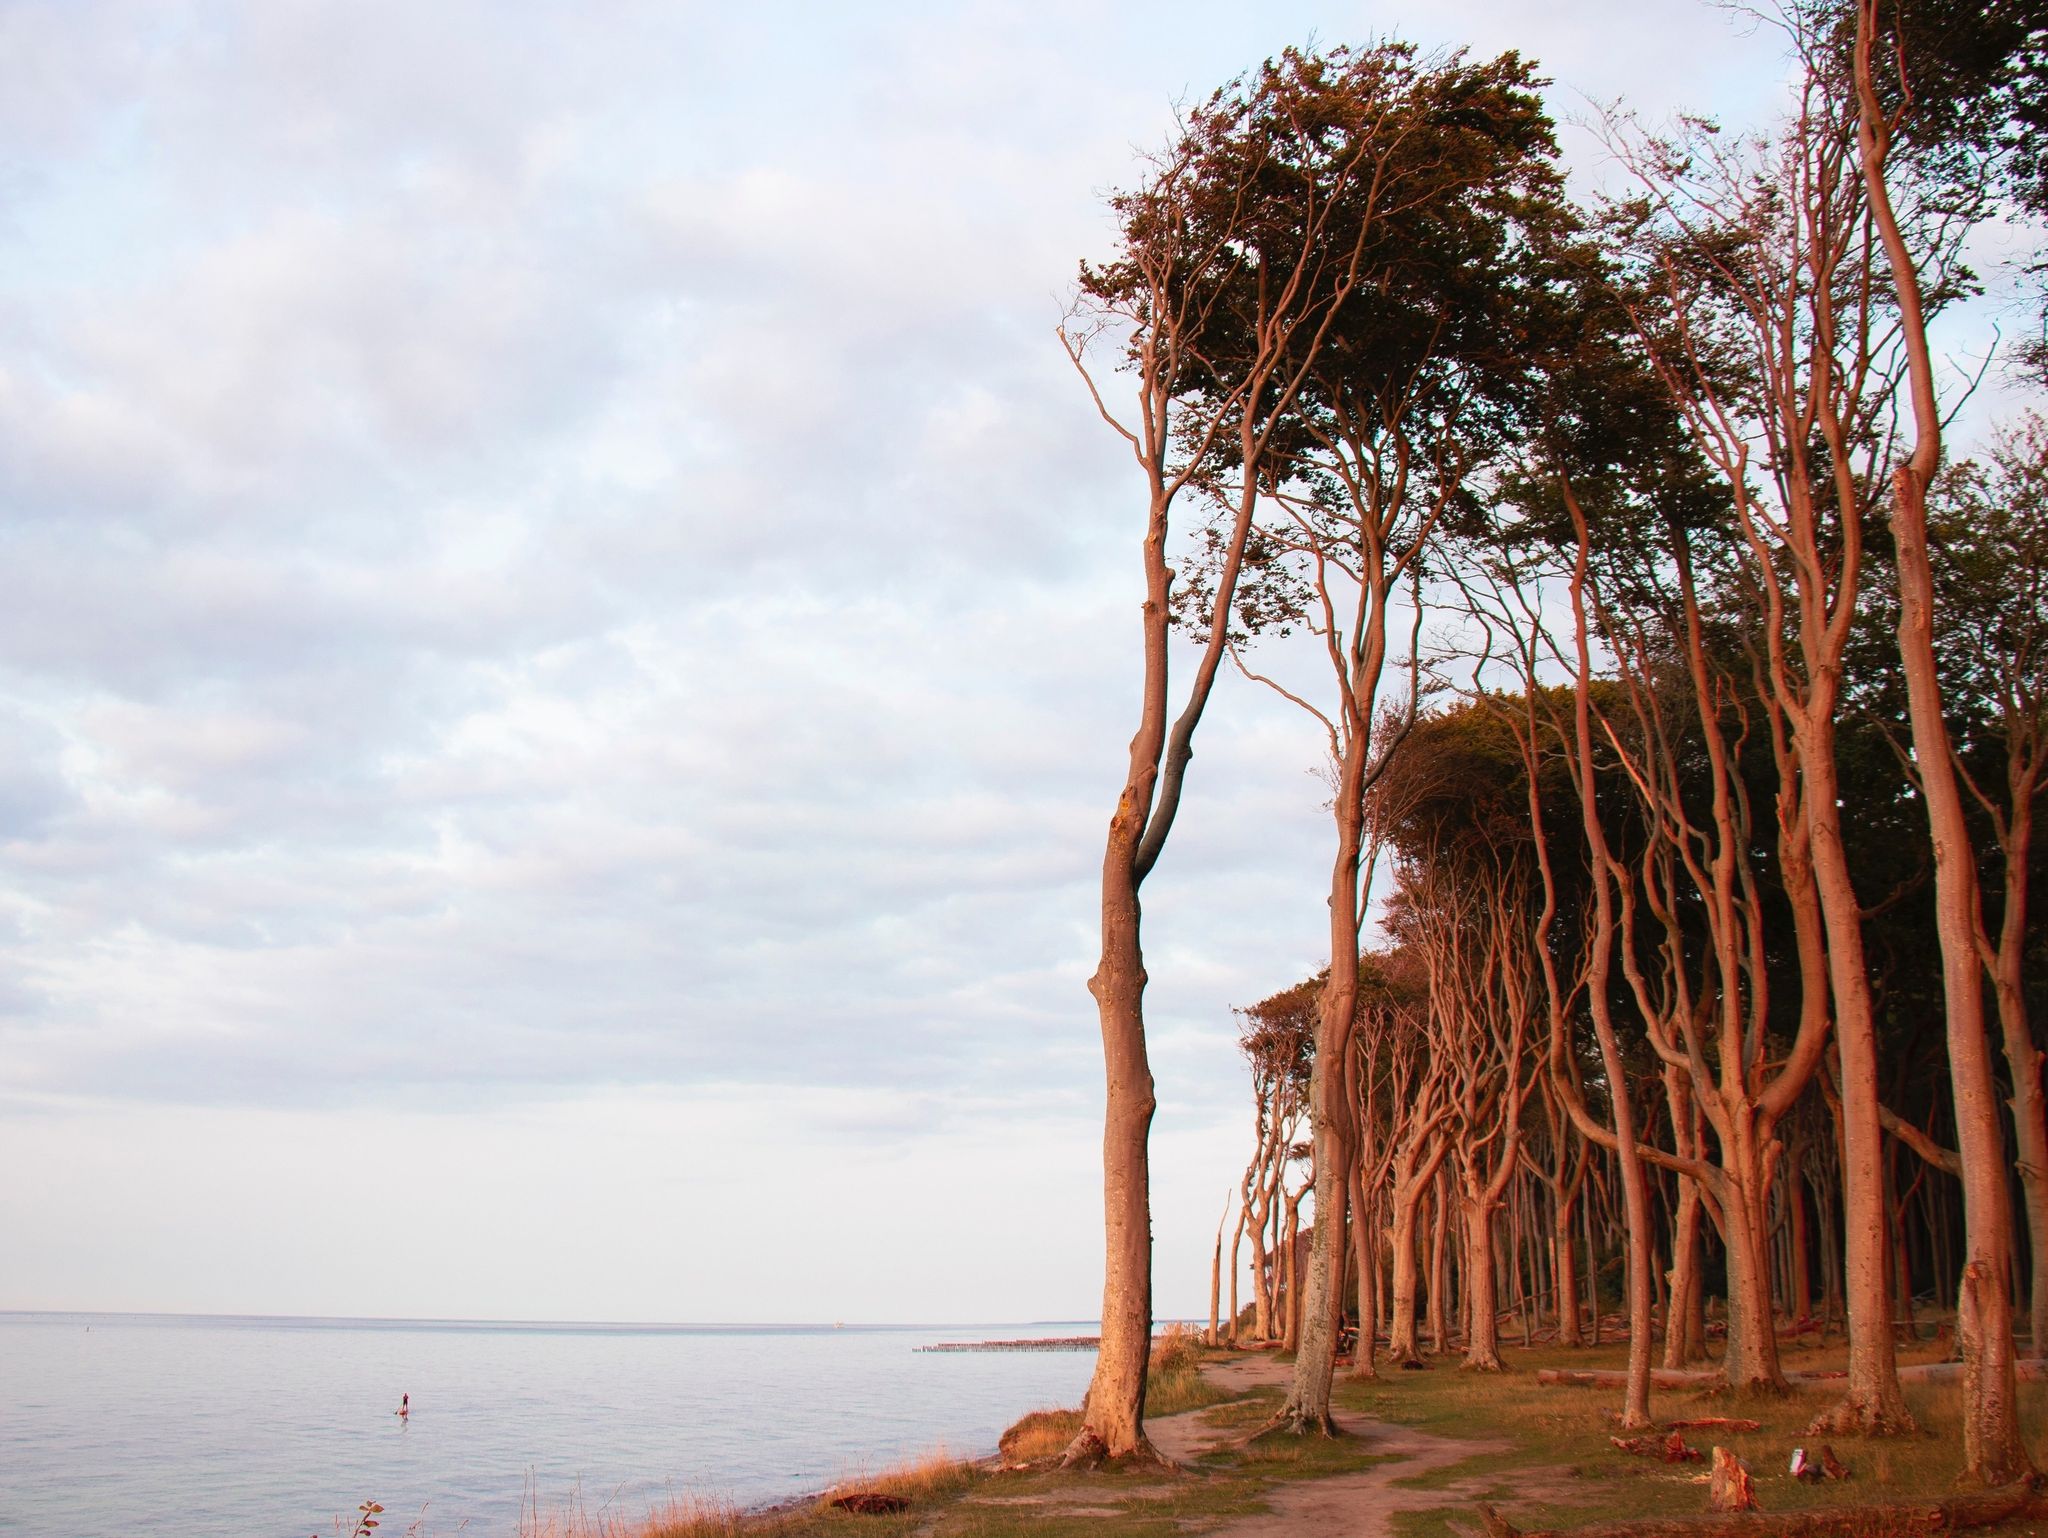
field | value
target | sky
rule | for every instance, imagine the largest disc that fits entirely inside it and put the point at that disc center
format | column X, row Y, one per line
column 566, row 643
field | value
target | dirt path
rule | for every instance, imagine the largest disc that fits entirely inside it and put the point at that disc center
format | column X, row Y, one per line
column 1360, row 1505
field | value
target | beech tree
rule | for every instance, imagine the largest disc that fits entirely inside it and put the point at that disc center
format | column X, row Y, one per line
column 1656, row 867
column 1277, row 1040
column 1993, row 1449
column 1413, row 384
column 1765, row 318
column 1237, row 253
column 1990, row 617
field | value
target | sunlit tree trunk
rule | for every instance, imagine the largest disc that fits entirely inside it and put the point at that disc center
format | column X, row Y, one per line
column 1307, row 1407
column 1214, row 1335
column 1218, row 354
column 1993, row 1451
column 1365, row 1265
column 1402, row 1346
column 1439, row 1266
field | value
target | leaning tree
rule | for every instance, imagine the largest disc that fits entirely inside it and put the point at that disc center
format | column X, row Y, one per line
column 1237, row 253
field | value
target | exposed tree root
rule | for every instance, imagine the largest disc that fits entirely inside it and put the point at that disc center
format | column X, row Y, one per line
column 1089, row 1451
column 1912, row 1517
column 1861, row 1416
column 1290, row 1422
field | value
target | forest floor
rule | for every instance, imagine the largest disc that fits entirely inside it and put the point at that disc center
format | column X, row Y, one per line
column 1419, row 1453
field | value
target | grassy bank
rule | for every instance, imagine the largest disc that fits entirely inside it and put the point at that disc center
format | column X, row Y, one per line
column 1430, row 1446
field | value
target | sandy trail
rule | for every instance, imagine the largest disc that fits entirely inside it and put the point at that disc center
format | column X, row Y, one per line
column 1360, row 1505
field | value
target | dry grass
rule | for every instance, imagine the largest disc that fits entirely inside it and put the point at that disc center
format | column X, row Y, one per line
column 1040, row 1436
column 677, row 1516
column 692, row 1517
column 927, row 1477
column 925, row 1481
column 1174, row 1380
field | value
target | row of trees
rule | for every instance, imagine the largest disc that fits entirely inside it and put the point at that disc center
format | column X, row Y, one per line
column 1654, row 484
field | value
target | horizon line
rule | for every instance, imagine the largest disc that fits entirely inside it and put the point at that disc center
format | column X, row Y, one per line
column 513, row 1323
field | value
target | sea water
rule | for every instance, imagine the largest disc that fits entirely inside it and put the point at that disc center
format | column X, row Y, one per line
column 199, row 1427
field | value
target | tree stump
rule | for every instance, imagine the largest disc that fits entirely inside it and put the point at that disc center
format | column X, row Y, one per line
column 1675, row 1450
column 1730, row 1488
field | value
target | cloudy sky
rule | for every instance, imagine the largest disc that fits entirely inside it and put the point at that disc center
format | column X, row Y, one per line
column 565, row 649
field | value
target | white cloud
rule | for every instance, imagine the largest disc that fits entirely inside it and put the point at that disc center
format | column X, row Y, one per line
column 565, row 634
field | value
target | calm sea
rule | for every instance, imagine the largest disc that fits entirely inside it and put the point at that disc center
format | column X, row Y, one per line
column 193, row 1427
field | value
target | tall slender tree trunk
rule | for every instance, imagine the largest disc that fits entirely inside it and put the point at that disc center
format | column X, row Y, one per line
column 2023, row 1064
column 1402, row 1349
column 1114, row 1410
column 1565, row 1267
column 1686, row 1281
column 1874, row 1406
column 1831, row 1307
column 1236, row 1237
column 1216, row 1280
column 1262, row 1302
column 1600, row 969
column 1482, row 1320
column 2023, row 1061
column 1290, row 1251
column 1307, row 1407
column 1993, row 1450
column 1439, row 1267
column 1800, row 1299
column 1751, row 1360
column 1365, row 1265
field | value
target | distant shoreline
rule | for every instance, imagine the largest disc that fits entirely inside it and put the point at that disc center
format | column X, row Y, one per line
column 1051, row 1343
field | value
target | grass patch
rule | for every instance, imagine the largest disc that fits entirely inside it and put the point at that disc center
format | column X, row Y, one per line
column 678, row 1516
column 1174, row 1381
column 918, row 1481
column 1561, row 1435
column 1040, row 1436
column 1309, row 1457
column 1244, row 1414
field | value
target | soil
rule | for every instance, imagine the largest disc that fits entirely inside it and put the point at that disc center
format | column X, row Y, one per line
column 1360, row 1505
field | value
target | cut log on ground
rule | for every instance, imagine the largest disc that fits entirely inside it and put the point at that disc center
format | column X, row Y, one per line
column 1956, row 1514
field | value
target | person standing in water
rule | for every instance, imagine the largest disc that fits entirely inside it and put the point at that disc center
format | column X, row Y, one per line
column 405, row 1405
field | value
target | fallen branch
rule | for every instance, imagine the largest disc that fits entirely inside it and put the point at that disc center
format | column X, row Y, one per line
column 1672, row 1449
column 1717, row 1422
